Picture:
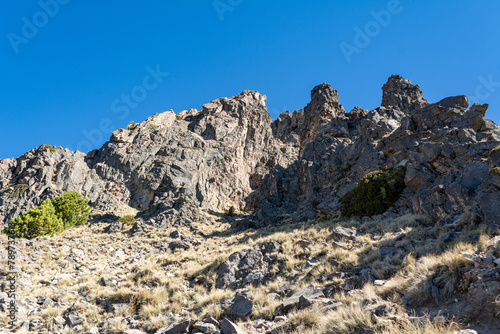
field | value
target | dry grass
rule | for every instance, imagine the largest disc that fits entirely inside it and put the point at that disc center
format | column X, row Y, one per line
column 182, row 283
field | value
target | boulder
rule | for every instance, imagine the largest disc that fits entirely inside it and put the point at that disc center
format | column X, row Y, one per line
column 310, row 292
column 227, row 327
column 179, row 327
column 241, row 306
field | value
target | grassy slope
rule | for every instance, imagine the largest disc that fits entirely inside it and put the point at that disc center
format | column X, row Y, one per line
column 182, row 282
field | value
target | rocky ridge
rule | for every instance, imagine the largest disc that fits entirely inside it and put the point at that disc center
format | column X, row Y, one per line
column 173, row 168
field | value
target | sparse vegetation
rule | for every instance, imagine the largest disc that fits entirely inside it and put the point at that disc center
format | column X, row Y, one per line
column 51, row 217
column 230, row 212
column 47, row 147
column 132, row 126
column 496, row 170
column 152, row 127
column 179, row 118
column 39, row 221
column 496, row 149
column 183, row 283
column 128, row 220
column 375, row 193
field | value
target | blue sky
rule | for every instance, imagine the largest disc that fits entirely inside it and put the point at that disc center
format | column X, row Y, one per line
column 72, row 71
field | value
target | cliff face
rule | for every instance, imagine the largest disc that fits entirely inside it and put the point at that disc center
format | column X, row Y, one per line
column 173, row 167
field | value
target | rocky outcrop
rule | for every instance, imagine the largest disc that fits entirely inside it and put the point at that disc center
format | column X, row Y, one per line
column 445, row 147
column 172, row 168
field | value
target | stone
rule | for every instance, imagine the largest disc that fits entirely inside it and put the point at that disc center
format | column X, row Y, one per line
column 282, row 289
column 310, row 292
column 241, row 306
column 304, row 302
column 108, row 281
column 74, row 320
column 242, row 268
column 365, row 277
column 134, row 331
column 345, row 233
column 399, row 92
column 179, row 327
column 179, row 244
column 460, row 101
column 59, row 321
column 114, row 227
column 212, row 321
column 119, row 308
column 204, row 327
column 227, row 327
column 270, row 247
column 175, row 234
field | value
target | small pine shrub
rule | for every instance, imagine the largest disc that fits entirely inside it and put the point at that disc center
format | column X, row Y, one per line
column 496, row 170
column 230, row 212
column 39, row 221
column 152, row 127
column 376, row 192
column 51, row 217
column 129, row 220
column 71, row 208
column 179, row 118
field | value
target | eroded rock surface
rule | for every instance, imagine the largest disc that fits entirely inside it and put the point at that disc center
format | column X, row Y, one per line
column 173, row 168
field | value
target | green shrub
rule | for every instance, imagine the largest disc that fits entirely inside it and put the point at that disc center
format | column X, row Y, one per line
column 496, row 170
column 230, row 212
column 51, row 217
column 376, row 192
column 152, row 127
column 39, row 221
column 71, row 208
column 179, row 118
column 47, row 147
column 132, row 126
column 129, row 220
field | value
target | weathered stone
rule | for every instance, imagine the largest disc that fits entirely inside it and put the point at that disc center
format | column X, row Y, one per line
column 179, row 244
column 203, row 327
column 310, row 292
column 179, row 327
column 399, row 92
column 119, row 307
column 270, row 247
column 211, row 320
column 74, row 320
column 241, row 306
column 59, row 321
column 227, row 327
column 345, row 233
column 114, row 227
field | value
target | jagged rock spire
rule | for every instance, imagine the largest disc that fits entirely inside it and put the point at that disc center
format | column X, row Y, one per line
column 401, row 93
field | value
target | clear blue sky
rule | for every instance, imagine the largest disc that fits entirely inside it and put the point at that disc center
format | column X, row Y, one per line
column 71, row 71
